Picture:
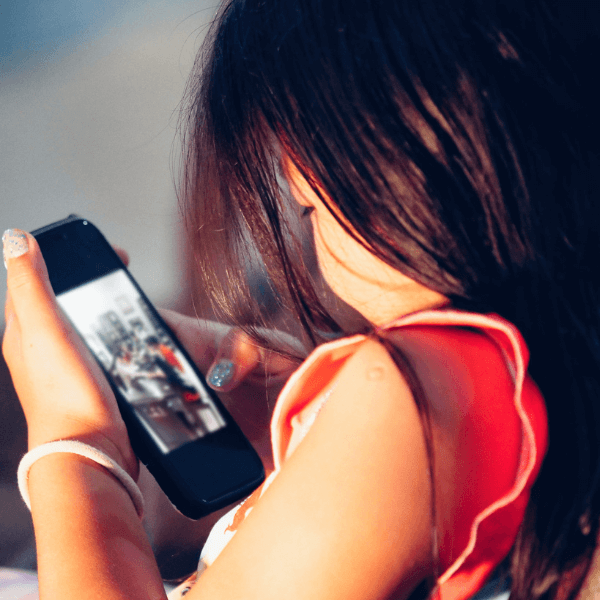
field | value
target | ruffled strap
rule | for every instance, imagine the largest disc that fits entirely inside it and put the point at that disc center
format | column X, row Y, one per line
column 304, row 388
column 495, row 526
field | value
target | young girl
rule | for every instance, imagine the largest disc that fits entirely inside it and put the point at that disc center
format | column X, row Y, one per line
column 445, row 155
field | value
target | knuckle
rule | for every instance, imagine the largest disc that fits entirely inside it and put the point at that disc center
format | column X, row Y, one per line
column 19, row 280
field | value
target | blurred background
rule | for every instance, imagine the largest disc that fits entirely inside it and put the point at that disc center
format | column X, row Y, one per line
column 89, row 100
column 89, row 97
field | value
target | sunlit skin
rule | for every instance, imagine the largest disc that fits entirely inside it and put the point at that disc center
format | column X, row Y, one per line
column 375, row 289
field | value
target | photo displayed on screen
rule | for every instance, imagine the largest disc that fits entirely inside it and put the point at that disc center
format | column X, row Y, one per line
column 144, row 363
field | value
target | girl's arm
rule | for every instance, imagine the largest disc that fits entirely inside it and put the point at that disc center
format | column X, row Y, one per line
column 90, row 541
column 348, row 516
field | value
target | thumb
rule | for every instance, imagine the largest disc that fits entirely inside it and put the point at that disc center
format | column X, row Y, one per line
column 29, row 288
column 237, row 357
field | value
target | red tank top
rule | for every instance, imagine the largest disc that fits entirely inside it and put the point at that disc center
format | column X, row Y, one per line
column 504, row 435
column 503, row 438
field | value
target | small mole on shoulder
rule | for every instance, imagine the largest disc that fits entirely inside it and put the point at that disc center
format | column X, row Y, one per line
column 375, row 373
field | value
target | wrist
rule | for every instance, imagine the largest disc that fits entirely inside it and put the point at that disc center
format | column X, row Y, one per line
column 74, row 456
column 115, row 444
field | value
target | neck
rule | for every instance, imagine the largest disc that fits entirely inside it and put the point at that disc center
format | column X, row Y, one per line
column 393, row 305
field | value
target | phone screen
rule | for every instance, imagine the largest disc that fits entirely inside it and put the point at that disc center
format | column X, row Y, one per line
column 142, row 359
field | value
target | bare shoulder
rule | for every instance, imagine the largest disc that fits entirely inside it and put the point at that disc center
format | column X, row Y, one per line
column 372, row 369
column 349, row 514
column 373, row 400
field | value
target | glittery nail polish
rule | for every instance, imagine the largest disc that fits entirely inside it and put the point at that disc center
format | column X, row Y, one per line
column 221, row 374
column 14, row 244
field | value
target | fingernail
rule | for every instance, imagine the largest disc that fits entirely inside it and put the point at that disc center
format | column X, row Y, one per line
column 15, row 244
column 221, row 374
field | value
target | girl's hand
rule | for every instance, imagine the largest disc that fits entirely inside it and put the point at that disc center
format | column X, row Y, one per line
column 62, row 390
column 247, row 376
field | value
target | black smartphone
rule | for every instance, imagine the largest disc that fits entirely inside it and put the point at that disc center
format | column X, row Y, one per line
column 176, row 423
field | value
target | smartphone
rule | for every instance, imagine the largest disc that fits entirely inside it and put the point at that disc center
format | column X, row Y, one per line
column 178, row 427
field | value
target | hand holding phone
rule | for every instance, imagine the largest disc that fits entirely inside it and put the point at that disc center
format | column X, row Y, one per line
column 62, row 390
column 259, row 375
column 177, row 426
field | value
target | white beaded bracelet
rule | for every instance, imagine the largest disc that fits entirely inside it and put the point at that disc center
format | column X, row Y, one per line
column 75, row 447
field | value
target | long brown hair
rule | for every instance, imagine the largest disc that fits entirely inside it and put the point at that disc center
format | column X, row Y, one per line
column 459, row 141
